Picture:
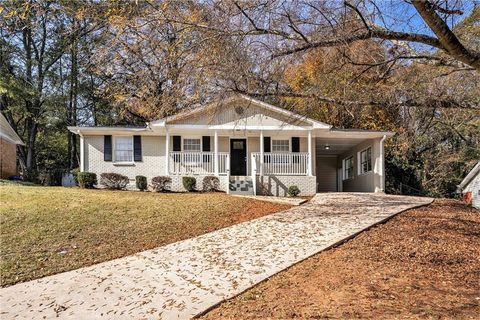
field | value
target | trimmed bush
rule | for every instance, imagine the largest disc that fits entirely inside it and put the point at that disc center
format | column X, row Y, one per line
column 161, row 183
column 189, row 183
column 113, row 180
column 210, row 183
column 293, row 191
column 86, row 179
column 141, row 182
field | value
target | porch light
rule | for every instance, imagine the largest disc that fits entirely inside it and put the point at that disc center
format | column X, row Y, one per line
column 327, row 147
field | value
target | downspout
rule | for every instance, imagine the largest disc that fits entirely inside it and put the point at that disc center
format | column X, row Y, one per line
column 382, row 160
column 82, row 152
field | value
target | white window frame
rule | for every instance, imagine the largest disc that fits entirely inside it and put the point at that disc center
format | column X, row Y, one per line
column 360, row 163
column 114, row 149
column 344, row 168
column 288, row 144
column 192, row 138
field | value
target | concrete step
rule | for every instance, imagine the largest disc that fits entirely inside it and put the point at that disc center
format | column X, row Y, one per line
column 241, row 185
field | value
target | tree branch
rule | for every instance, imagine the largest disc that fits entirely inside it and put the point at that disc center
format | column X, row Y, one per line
column 446, row 37
column 427, row 103
column 373, row 33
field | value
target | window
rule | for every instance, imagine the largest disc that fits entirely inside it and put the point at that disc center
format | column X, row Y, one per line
column 366, row 160
column 124, row 149
column 238, row 145
column 191, row 145
column 348, row 168
column 280, row 145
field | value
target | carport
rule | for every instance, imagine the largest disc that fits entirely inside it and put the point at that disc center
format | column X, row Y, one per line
column 350, row 160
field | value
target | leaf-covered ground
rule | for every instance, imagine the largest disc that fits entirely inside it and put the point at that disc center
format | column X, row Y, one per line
column 46, row 230
column 424, row 263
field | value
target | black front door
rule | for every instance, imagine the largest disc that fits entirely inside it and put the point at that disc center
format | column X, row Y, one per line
column 238, row 157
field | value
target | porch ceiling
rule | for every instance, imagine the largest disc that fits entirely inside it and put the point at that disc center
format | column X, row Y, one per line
column 337, row 145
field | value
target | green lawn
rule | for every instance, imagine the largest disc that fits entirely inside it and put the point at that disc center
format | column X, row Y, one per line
column 46, row 230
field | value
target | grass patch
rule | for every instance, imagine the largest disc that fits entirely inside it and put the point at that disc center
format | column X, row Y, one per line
column 17, row 182
column 46, row 230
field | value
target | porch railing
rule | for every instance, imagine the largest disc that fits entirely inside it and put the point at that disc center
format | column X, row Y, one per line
column 197, row 162
column 291, row 163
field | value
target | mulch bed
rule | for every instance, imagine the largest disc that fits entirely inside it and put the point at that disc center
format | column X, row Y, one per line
column 424, row 263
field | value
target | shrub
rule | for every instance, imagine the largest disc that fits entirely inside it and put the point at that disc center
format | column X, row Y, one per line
column 210, row 183
column 31, row 175
column 189, row 183
column 293, row 191
column 141, row 182
column 161, row 183
column 75, row 173
column 86, row 179
column 113, row 180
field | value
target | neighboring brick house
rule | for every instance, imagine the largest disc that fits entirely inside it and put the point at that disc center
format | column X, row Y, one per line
column 251, row 146
column 9, row 140
column 470, row 187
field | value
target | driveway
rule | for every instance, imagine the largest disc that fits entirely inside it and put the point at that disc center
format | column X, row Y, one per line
column 185, row 278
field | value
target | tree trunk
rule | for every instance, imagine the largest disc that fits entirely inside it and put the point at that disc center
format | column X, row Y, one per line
column 72, row 107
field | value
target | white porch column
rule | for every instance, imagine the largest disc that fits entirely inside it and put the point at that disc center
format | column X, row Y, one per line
column 82, row 154
column 310, row 156
column 167, row 153
column 215, row 149
column 382, row 164
column 261, row 152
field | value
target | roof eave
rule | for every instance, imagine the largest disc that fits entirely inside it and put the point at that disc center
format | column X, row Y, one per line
column 83, row 130
column 469, row 177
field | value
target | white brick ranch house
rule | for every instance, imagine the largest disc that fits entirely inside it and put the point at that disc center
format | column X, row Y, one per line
column 253, row 148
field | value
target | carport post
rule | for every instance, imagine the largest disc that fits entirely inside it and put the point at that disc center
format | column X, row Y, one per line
column 215, row 149
column 82, row 154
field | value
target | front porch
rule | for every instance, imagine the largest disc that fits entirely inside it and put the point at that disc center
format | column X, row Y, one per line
column 207, row 163
column 246, row 164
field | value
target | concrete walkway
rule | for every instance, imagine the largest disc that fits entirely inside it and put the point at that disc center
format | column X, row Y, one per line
column 293, row 201
column 185, row 278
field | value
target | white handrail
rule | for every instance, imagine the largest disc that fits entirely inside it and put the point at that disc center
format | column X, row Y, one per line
column 291, row 163
column 196, row 162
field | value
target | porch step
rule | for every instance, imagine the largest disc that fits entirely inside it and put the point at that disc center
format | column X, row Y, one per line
column 242, row 185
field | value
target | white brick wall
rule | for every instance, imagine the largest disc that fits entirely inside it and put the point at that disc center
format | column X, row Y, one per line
column 152, row 164
column 278, row 185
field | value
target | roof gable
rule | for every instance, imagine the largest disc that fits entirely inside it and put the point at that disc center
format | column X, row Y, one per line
column 240, row 109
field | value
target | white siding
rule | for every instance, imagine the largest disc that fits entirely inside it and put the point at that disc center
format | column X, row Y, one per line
column 474, row 188
column 369, row 182
column 228, row 113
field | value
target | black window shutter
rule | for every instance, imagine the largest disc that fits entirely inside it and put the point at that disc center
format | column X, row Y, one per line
column 177, row 143
column 266, row 144
column 206, row 143
column 137, row 148
column 295, row 144
column 107, row 148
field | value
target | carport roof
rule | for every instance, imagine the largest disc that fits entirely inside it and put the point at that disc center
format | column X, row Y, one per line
column 340, row 141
